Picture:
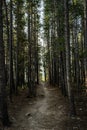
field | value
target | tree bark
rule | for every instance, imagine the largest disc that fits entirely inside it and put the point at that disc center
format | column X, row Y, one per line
column 68, row 60
column 11, row 79
column 3, row 103
column 85, row 38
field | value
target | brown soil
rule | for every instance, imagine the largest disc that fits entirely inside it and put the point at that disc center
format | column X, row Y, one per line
column 48, row 111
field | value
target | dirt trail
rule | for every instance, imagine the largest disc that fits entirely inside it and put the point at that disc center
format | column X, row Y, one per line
column 48, row 111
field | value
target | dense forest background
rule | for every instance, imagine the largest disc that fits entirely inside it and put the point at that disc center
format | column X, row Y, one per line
column 31, row 51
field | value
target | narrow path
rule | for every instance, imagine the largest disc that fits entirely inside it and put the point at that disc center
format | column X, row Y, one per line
column 46, row 112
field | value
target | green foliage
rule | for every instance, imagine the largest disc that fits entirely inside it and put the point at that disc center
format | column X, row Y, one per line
column 83, row 54
column 77, row 9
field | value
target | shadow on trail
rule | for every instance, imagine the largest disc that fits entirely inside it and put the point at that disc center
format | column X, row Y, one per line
column 48, row 111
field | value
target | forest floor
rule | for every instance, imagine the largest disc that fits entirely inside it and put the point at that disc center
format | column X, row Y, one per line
column 49, row 110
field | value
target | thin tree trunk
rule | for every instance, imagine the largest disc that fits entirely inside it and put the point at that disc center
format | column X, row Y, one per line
column 85, row 39
column 11, row 79
column 17, row 52
column 29, row 53
column 68, row 59
column 7, row 26
column 49, row 60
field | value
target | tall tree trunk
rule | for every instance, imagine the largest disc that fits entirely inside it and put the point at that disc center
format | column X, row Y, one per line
column 29, row 51
column 37, row 58
column 85, row 35
column 11, row 79
column 17, row 52
column 76, row 47
column 68, row 59
column 49, row 59
column 3, row 103
column 7, row 27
